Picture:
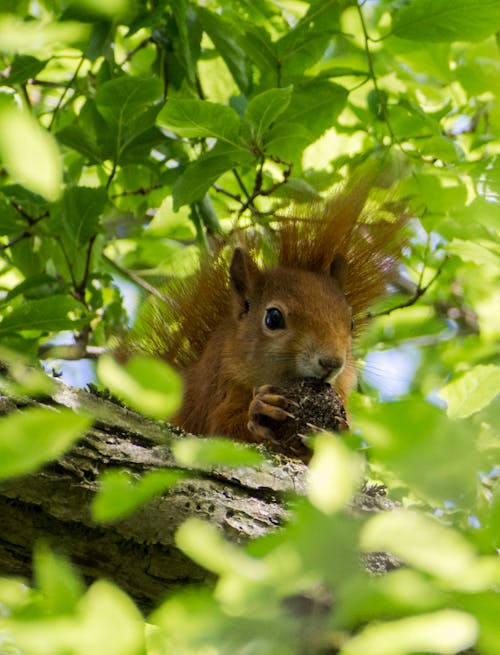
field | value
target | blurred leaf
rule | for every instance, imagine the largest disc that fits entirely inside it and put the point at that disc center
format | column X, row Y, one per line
column 57, row 580
column 422, row 542
column 447, row 631
column 207, row 453
column 25, row 67
column 473, row 391
column 205, row 544
column 265, row 108
column 479, row 253
column 111, row 8
column 334, row 474
column 41, row 172
column 145, row 383
column 425, row 440
column 36, row 37
column 121, row 493
column 46, row 314
column 36, row 436
column 105, row 621
column 198, row 118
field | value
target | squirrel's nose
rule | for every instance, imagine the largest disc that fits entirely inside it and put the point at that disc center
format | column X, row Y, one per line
column 330, row 365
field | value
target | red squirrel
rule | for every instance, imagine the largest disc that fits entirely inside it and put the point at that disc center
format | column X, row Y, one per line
column 241, row 327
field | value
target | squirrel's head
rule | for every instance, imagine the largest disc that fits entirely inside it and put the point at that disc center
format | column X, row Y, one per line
column 290, row 323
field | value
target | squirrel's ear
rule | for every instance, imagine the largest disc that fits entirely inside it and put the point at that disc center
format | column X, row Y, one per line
column 338, row 269
column 243, row 273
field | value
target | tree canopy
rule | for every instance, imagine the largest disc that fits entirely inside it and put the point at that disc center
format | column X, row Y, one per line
column 137, row 135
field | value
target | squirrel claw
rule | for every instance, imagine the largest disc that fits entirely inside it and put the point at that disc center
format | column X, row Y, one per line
column 261, row 432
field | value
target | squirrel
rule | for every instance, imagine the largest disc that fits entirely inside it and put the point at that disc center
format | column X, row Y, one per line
column 278, row 311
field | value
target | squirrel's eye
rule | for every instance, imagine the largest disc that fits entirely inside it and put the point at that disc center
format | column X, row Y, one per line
column 274, row 319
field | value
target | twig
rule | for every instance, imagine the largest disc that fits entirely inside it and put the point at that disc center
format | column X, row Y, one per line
column 70, row 352
column 142, row 191
column 149, row 288
column 419, row 292
column 65, row 92
column 234, row 196
column 135, row 50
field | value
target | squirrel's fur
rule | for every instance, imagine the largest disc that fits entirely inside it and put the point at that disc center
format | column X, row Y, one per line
column 321, row 266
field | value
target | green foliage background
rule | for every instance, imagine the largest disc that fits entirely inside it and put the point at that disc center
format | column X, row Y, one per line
column 133, row 136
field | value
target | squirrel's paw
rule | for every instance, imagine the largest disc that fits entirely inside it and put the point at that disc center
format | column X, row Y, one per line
column 266, row 402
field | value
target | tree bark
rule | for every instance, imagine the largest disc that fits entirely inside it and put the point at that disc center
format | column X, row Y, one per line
column 139, row 552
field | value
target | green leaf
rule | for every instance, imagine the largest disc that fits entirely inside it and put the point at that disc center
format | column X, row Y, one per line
column 198, row 176
column 481, row 253
column 37, row 37
column 79, row 139
column 78, row 214
column 145, row 383
column 224, row 34
column 11, row 221
column 322, row 99
column 334, row 474
column 473, row 391
column 120, row 493
column 36, row 436
column 104, row 621
column 288, row 140
column 200, row 118
column 205, row 544
column 426, row 440
column 123, row 103
column 46, row 315
column 447, row 21
column 446, row 631
column 305, row 44
column 265, row 108
column 207, row 453
column 57, row 580
column 24, row 68
column 438, row 550
column 180, row 10
column 20, row 134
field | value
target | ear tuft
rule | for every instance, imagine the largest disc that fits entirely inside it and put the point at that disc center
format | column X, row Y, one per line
column 338, row 269
column 243, row 274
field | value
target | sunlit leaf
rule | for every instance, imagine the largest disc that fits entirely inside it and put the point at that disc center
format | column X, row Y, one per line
column 57, row 580
column 421, row 541
column 334, row 474
column 473, row 391
column 20, row 134
column 88, row 629
column 201, row 453
column 35, row 436
column 442, row 20
column 207, row 546
column 445, row 632
column 36, row 37
column 145, row 383
column 121, row 493
column 45, row 314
